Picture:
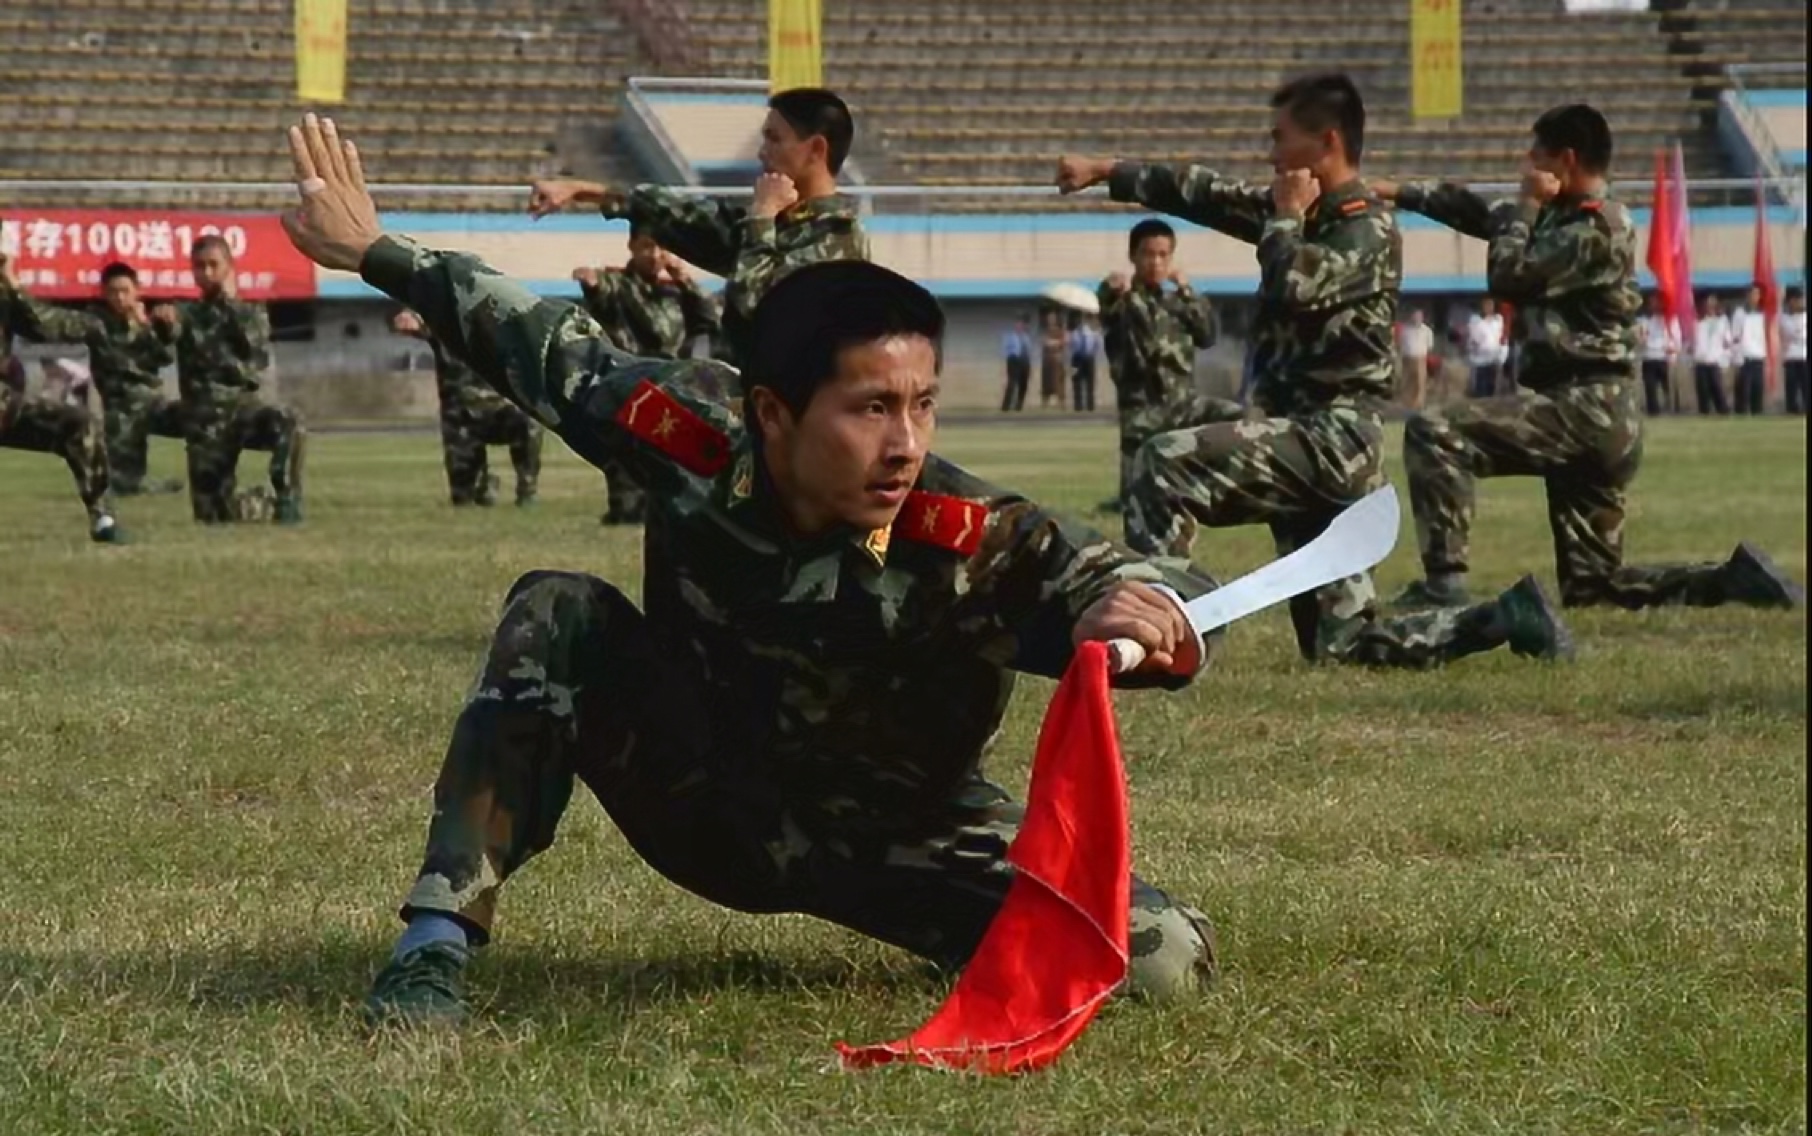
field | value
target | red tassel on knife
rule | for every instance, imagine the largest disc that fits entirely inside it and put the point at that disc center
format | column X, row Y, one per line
column 1058, row 948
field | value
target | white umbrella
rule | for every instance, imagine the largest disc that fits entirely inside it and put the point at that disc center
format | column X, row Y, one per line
column 1074, row 297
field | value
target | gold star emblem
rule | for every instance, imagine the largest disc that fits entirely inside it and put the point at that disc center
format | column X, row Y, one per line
column 666, row 426
column 928, row 520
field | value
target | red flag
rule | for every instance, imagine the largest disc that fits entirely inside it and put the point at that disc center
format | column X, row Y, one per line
column 1661, row 259
column 1764, row 280
column 1058, row 947
column 1685, row 310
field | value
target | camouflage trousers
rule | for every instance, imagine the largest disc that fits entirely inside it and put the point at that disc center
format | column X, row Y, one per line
column 465, row 431
column 579, row 684
column 1585, row 443
column 216, row 434
column 1295, row 475
column 1140, row 424
column 132, row 419
column 53, row 427
column 625, row 502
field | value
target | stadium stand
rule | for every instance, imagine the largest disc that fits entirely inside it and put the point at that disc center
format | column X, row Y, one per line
column 950, row 92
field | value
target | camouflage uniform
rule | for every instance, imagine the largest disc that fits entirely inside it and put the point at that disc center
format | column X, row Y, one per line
column 1152, row 337
column 126, row 357
column 750, row 253
column 1323, row 358
column 785, row 725
column 1569, row 269
column 653, row 321
column 473, row 416
column 222, row 349
column 44, row 425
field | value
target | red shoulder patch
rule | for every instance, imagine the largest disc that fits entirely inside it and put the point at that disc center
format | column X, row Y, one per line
column 944, row 522
column 662, row 421
column 1356, row 205
column 1591, row 205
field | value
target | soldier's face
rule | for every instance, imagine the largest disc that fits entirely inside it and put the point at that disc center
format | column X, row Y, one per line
column 644, row 256
column 213, row 268
column 1292, row 147
column 854, row 453
column 782, row 150
column 1151, row 260
column 122, row 294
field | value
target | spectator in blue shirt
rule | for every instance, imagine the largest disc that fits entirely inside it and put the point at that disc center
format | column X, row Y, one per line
column 1016, row 348
column 1085, row 348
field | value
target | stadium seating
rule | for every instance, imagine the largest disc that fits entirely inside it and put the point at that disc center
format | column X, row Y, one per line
column 950, row 92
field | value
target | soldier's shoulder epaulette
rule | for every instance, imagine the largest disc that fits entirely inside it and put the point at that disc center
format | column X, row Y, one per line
column 666, row 423
column 1356, row 205
column 951, row 523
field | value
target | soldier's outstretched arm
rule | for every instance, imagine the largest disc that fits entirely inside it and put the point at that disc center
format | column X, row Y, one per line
column 36, row 320
column 1461, row 209
column 1037, row 576
column 696, row 229
column 546, row 356
column 1194, row 193
column 1356, row 258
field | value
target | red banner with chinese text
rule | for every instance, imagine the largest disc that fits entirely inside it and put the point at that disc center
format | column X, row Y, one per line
column 58, row 254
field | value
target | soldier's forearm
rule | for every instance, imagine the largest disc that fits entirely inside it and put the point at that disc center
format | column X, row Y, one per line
column 1450, row 203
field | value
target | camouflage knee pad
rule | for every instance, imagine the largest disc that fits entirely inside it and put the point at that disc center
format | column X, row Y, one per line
column 1173, row 953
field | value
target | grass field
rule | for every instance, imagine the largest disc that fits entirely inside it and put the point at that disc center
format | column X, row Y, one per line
column 1503, row 898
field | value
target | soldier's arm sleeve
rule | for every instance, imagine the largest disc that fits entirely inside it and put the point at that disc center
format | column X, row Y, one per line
column 1451, row 204
column 601, row 298
column 1523, row 268
column 1351, row 262
column 692, row 228
column 1198, row 319
column 1236, row 208
column 44, row 323
column 547, row 356
column 1038, row 573
column 253, row 331
column 700, row 311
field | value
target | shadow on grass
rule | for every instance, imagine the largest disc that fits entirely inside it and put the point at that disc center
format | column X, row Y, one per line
column 328, row 978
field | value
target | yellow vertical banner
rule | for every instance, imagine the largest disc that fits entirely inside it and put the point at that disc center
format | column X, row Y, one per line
column 321, row 51
column 1434, row 58
column 795, row 49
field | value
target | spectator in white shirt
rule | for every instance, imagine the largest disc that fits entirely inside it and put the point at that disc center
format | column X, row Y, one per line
column 1710, row 355
column 1660, row 334
column 1793, row 349
column 1749, row 333
column 1485, row 348
column 1415, row 341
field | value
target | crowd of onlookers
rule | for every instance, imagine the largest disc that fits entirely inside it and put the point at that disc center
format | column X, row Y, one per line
column 1066, row 351
column 1723, row 368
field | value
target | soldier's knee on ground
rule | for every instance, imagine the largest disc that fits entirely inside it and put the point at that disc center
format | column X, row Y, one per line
column 1173, row 953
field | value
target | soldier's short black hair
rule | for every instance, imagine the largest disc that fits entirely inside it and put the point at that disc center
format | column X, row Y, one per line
column 807, row 319
column 814, row 112
column 1793, row 292
column 637, row 229
column 1147, row 229
column 1328, row 101
column 211, row 241
column 1579, row 128
column 116, row 270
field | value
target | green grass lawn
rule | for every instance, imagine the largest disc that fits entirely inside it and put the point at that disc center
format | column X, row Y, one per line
column 1500, row 898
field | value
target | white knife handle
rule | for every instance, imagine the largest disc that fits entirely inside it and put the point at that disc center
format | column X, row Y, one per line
column 1123, row 656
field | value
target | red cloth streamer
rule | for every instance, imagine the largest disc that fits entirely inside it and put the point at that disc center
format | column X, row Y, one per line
column 1770, row 286
column 1058, row 947
column 1663, row 229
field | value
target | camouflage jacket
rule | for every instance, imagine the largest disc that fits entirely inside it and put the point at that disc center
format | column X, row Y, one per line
column 126, row 356
column 654, row 321
column 1568, row 268
column 750, row 253
column 863, row 672
column 222, row 350
column 1328, row 284
column 21, row 315
column 1152, row 337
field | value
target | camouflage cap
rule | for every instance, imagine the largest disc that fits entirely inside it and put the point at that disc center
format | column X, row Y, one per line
column 817, row 310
